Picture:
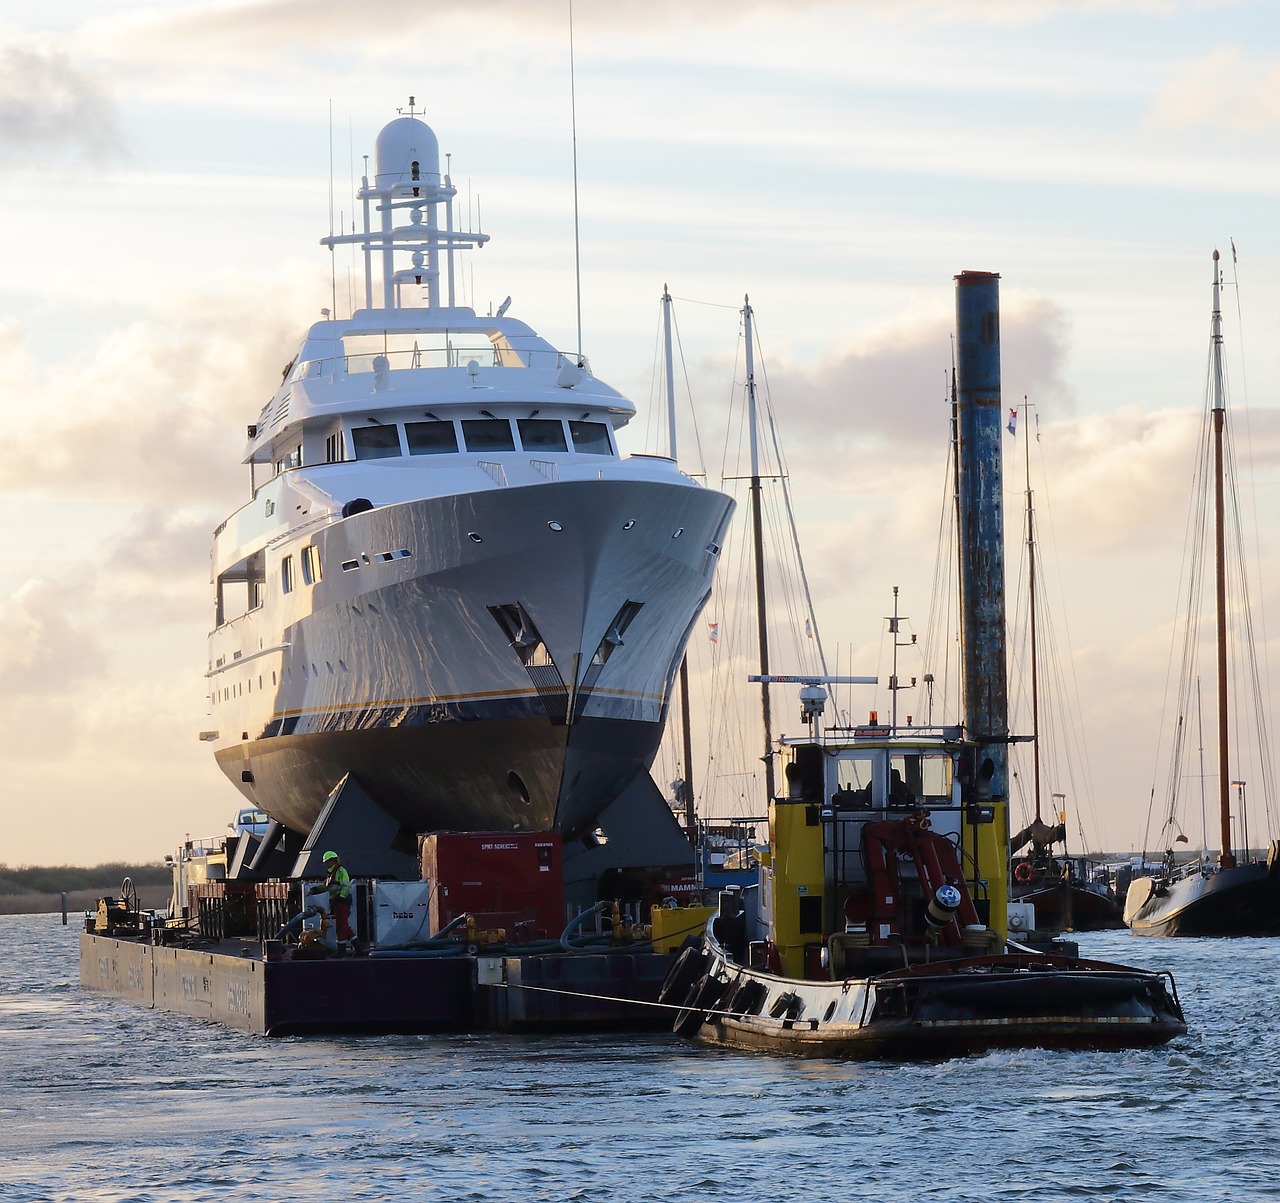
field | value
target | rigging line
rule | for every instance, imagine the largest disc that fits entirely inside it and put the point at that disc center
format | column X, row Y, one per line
column 577, row 242
column 1074, row 723
column 708, row 304
column 688, row 388
column 791, row 518
column 939, row 622
column 1187, row 612
column 656, row 372
column 1251, row 479
column 1253, row 678
column 333, row 262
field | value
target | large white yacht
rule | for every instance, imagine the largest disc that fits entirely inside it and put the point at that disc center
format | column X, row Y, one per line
column 447, row 583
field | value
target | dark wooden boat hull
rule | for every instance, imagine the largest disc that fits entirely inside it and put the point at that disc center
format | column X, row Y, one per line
column 927, row 1012
column 1241, row 901
column 1070, row 906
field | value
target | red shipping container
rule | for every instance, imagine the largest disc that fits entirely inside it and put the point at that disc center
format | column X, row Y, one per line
column 504, row 879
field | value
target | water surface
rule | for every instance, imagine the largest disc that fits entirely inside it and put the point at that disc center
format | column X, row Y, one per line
column 104, row 1100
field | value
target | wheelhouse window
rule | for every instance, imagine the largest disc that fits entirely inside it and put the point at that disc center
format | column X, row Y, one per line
column 591, row 438
column 375, row 442
column 542, row 434
column 854, row 777
column 431, row 438
column 488, row 434
column 919, row 778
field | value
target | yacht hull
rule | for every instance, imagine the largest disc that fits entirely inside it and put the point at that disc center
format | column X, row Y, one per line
column 499, row 660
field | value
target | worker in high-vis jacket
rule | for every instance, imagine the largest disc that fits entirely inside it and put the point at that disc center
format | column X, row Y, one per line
column 337, row 883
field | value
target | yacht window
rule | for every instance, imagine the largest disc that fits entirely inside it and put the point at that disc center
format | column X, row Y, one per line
column 334, row 452
column 375, row 442
column 286, row 574
column 431, row 438
column 542, row 434
column 311, row 571
column 291, row 459
column 591, row 438
column 488, row 434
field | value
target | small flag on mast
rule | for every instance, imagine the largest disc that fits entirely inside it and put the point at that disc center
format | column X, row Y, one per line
column 808, row 628
column 1012, row 428
column 713, row 632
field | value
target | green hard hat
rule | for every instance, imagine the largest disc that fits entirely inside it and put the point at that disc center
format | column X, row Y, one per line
column 330, row 856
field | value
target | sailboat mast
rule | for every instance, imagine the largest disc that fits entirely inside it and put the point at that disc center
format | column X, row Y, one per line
column 686, row 727
column 670, row 372
column 1035, row 644
column 1227, row 858
column 757, row 536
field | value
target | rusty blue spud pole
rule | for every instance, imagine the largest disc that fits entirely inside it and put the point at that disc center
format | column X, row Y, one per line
column 981, row 526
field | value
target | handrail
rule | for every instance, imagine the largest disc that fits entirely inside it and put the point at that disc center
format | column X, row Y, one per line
column 366, row 362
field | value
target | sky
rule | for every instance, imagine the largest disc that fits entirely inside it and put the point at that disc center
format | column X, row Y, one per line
column 169, row 170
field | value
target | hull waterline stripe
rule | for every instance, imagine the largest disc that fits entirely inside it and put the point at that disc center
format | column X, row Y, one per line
column 443, row 698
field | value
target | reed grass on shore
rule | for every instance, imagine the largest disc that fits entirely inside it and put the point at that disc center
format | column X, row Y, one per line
column 35, row 890
column 150, row 898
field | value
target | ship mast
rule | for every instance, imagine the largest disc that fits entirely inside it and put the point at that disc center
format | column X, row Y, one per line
column 757, row 536
column 1227, row 858
column 1031, row 597
column 686, row 728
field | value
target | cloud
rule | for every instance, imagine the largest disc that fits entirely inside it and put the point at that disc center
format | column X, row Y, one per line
column 165, row 419
column 49, row 108
column 1229, row 89
column 44, row 646
column 888, row 387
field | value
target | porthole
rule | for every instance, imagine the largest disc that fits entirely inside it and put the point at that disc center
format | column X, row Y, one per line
column 677, row 532
column 628, row 524
column 474, row 537
column 555, row 525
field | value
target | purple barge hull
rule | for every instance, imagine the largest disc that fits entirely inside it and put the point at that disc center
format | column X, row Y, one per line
column 232, row 983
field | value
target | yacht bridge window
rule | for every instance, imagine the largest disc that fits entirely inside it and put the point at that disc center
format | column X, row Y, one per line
column 375, row 442
column 591, row 438
column 488, row 434
column 542, row 434
column 431, row 438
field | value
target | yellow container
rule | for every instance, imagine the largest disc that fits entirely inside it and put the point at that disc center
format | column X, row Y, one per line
column 672, row 924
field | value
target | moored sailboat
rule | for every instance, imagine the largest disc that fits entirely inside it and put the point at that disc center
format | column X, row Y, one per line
column 1238, row 894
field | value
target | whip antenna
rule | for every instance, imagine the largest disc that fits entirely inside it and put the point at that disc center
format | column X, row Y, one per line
column 577, row 246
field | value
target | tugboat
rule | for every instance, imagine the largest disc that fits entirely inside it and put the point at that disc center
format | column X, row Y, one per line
column 1233, row 896
column 879, row 926
column 449, row 602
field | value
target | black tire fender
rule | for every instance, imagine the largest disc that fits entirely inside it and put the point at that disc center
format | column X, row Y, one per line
column 687, row 969
column 703, row 995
